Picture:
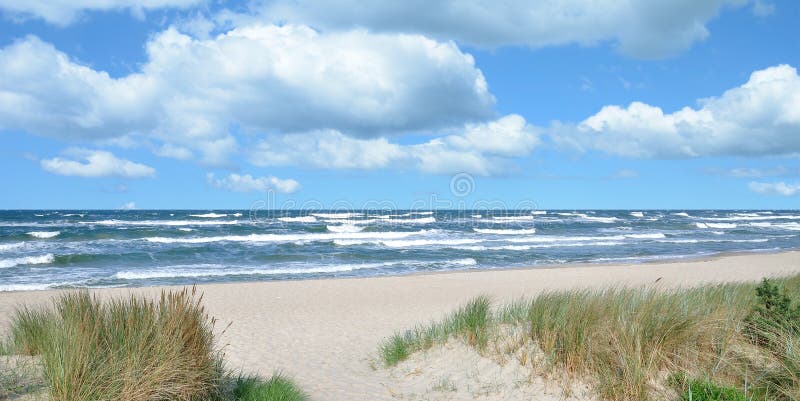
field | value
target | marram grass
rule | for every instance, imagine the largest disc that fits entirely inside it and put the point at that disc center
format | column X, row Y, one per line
column 627, row 341
column 124, row 349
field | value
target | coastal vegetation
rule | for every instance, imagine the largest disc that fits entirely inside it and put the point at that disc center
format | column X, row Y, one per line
column 138, row 349
column 713, row 342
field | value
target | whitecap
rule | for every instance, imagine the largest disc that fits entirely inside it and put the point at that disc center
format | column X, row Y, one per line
column 27, row 260
column 504, row 232
column 44, row 234
column 298, row 219
column 208, row 215
column 337, row 215
column 344, row 228
column 637, row 214
column 283, row 237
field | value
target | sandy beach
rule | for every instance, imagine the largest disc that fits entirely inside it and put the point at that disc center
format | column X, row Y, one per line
column 325, row 333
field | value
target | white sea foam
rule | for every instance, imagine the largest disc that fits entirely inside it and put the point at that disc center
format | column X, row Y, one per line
column 586, row 217
column 637, row 214
column 427, row 242
column 283, row 237
column 512, row 218
column 681, row 214
column 159, row 223
column 538, row 212
column 345, row 228
column 13, row 245
column 702, row 240
column 75, row 215
column 537, row 246
column 715, row 225
column 753, row 218
column 237, row 215
column 27, row 260
column 556, row 238
column 793, row 226
column 27, row 287
column 220, row 270
column 421, row 220
column 337, row 215
column 646, row 236
column 185, row 229
column 476, row 216
column 298, row 219
column 210, row 215
column 504, row 232
column 44, row 234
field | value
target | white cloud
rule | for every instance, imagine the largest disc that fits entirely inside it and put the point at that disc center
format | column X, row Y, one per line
column 128, row 206
column 484, row 149
column 643, row 28
column 95, row 163
column 174, row 152
column 761, row 117
column 248, row 183
column 776, row 188
column 763, row 8
column 261, row 79
column 63, row 12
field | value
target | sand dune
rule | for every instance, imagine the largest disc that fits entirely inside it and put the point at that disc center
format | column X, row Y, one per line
column 325, row 333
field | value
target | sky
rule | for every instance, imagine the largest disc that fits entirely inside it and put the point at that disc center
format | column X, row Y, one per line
column 570, row 104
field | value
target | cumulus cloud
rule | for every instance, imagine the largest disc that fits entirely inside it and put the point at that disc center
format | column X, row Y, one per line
column 642, row 28
column 775, row 188
column 248, row 183
column 758, row 118
column 95, row 163
column 478, row 148
column 260, row 79
column 63, row 12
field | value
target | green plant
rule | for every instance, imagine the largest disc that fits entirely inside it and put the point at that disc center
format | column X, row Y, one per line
column 470, row 322
column 276, row 388
column 123, row 349
column 703, row 390
column 773, row 311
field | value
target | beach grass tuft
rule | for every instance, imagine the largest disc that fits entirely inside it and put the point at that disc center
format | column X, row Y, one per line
column 470, row 322
column 122, row 349
column 276, row 388
column 627, row 340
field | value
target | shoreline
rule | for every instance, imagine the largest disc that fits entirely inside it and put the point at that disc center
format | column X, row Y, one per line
column 325, row 332
column 549, row 266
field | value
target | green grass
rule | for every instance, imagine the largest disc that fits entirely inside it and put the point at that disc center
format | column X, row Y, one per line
column 277, row 388
column 470, row 322
column 625, row 340
column 122, row 349
column 704, row 390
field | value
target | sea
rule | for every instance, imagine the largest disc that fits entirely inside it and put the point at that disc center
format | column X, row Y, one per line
column 45, row 249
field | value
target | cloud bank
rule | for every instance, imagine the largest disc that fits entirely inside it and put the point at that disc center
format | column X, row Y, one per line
column 95, row 163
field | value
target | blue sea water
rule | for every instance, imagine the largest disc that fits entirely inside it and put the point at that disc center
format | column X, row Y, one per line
column 41, row 249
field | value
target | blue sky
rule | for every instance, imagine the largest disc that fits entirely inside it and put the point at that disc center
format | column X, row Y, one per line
column 200, row 104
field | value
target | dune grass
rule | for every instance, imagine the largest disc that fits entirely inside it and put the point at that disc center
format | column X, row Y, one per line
column 277, row 388
column 122, row 349
column 626, row 341
column 470, row 321
column 126, row 349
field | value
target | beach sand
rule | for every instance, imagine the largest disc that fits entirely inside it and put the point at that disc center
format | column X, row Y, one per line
column 325, row 333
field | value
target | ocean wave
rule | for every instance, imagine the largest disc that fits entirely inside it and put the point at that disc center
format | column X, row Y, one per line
column 646, row 236
column 504, row 232
column 186, row 229
column 555, row 238
column 13, row 245
column 537, row 246
column 27, row 260
column 210, row 215
column 220, row 270
column 681, row 214
column 44, row 234
column 715, row 225
column 586, row 217
column 703, row 240
column 637, row 214
column 538, row 212
column 753, row 218
column 780, row 226
column 159, row 223
column 284, row 237
column 27, row 287
column 512, row 218
column 344, row 228
column 298, row 219
column 337, row 216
